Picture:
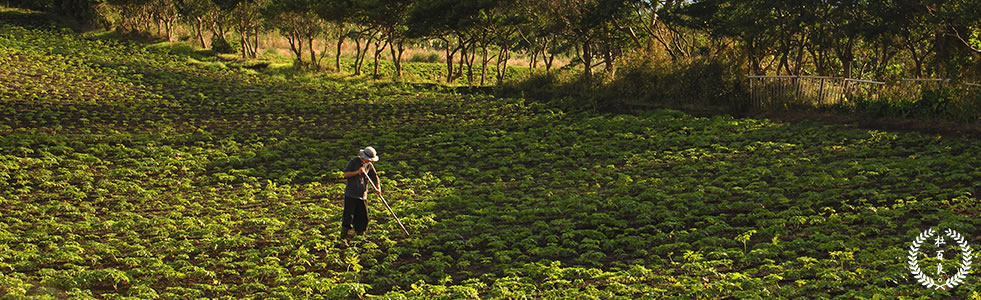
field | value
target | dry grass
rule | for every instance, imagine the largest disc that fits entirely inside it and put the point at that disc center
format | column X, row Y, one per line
column 276, row 43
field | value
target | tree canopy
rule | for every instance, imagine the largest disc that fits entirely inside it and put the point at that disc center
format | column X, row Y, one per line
column 847, row 38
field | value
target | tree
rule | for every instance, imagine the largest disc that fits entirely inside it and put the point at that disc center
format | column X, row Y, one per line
column 585, row 24
column 616, row 34
column 338, row 13
column 451, row 22
column 505, row 21
column 248, row 21
column 673, row 39
column 540, row 33
column 296, row 20
column 362, row 33
column 194, row 13
column 129, row 15
column 218, row 18
column 958, row 43
column 165, row 13
column 763, row 29
column 389, row 18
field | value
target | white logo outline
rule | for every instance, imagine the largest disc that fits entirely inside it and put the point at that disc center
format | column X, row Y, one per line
column 951, row 282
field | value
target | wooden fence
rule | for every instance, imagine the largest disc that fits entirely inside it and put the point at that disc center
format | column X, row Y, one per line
column 785, row 92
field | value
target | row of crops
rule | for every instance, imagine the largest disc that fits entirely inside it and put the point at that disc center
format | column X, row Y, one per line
column 127, row 170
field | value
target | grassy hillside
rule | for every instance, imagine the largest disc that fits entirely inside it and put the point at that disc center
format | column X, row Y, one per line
column 131, row 171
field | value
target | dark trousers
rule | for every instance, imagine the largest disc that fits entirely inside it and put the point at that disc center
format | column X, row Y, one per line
column 355, row 215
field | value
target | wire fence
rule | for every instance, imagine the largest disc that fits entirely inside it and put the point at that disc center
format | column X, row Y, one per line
column 786, row 92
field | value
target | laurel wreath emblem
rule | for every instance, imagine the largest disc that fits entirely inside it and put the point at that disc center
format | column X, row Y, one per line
column 951, row 282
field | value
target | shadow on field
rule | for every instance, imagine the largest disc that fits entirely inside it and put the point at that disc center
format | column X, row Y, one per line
column 30, row 19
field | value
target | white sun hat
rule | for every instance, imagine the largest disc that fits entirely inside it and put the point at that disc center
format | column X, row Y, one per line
column 369, row 154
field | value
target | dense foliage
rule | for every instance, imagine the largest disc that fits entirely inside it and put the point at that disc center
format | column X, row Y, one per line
column 846, row 38
column 130, row 171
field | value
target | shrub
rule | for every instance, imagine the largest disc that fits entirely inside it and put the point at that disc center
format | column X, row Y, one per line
column 182, row 49
column 426, row 58
column 946, row 103
column 701, row 84
column 222, row 46
column 418, row 57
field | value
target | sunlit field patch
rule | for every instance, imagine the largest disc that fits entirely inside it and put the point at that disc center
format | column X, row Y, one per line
column 128, row 170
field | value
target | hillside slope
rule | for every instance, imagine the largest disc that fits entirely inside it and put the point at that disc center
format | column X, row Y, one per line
column 132, row 171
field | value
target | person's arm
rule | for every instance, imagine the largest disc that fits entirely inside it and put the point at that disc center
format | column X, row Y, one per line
column 352, row 173
column 352, row 170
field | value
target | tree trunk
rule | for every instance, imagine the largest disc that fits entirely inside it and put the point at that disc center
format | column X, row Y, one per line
column 754, row 60
column 449, row 59
column 364, row 52
column 504, row 67
column 463, row 60
column 255, row 42
column 818, row 63
column 885, row 58
column 197, row 26
column 918, row 66
column 296, row 45
column 798, row 68
column 399, row 58
column 218, row 32
column 502, row 63
column 359, row 54
column 449, row 62
column 545, row 56
column 483, row 64
column 783, row 63
column 397, row 48
column 847, row 57
column 608, row 59
column 473, row 55
column 314, row 63
column 534, row 60
column 917, row 59
column 244, row 39
column 587, row 59
column 170, row 30
column 608, row 55
column 548, row 62
column 340, row 42
column 378, row 52
column 463, row 57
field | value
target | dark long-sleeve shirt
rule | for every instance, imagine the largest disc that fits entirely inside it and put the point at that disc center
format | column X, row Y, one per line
column 357, row 186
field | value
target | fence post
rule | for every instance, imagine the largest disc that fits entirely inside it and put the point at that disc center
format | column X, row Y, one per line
column 786, row 90
column 821, row 92
column 796, row 81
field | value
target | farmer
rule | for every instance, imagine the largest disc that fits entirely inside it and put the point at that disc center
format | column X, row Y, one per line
column 355, row 209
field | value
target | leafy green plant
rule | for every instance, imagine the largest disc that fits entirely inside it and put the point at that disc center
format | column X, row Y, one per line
column 125, row 170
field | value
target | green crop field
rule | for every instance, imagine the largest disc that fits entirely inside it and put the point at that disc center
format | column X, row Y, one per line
column 128, row 170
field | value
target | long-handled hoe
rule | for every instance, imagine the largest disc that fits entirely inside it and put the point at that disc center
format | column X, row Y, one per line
column 378, row 191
